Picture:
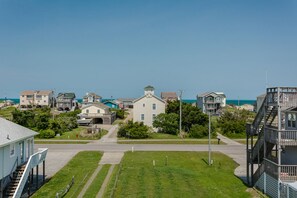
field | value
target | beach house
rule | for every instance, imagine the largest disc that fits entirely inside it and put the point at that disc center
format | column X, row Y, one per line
column 211, row 102
column 30, row 98
column 17, row 158
column 147, row 107
column 66, row 101
column 272, row 144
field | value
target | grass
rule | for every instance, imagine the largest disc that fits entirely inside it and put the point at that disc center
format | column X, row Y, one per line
column 109, row 190
column 59, row 142
column 75, row 134
column 180, row 141
column 98, row 181
column 81, row 167
column 7, row 112
column 186, row 174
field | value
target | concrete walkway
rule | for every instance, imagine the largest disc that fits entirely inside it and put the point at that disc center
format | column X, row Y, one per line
column 239, row 158
column 227, row 140
column 107, row 158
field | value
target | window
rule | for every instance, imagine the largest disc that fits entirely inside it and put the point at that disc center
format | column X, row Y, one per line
column 292, row 120
column 98, row 111
column 142, row 117
column 154, row 116
column 154, row 106
column 87, row 111
column 44, row 101
column 143, row 105
column 12, row 150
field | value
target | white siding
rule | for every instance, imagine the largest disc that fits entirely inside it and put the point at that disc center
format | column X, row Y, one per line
column 145, row 106
column 7, row 161
column 93, row 109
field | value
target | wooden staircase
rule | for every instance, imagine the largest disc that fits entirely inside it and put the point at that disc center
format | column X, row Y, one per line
column 10, row 190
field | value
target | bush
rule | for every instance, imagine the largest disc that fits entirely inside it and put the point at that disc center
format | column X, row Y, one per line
column 134, row 130
column 48, row 133
column 166, row 123
column 198, row 131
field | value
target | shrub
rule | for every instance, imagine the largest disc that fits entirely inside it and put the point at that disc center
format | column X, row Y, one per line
column 198, row 131
column 135, row 130
column 48, row 133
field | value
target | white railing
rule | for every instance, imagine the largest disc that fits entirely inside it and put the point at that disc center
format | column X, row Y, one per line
column 33, row 161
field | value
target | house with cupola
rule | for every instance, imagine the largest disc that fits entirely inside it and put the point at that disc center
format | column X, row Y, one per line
column 147, row 107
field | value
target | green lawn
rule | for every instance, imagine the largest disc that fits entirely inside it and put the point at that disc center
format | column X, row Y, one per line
column 38, row 141
column 185, row 175
column 98, row 181
column 177, row 141
column 75, row 134
column 7, row 112
column 81, row 167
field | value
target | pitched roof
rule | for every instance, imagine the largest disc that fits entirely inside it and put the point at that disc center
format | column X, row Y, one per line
column 145, row 96
column 111, row 101
column 149, row 87
column 211, row 93
column 27, row 92
column 99, row 105
column 66, row 95
column 92, row 94
column 44, row 92
column 11, row 132
column 126, row 99
column 165, row 95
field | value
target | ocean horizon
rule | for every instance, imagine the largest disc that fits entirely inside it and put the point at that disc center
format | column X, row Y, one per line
column 229, row 102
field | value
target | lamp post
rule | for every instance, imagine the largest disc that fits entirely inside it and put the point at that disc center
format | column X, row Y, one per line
column 209, row 132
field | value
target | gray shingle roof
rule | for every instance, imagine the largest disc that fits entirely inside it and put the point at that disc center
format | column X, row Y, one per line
column 11, row 132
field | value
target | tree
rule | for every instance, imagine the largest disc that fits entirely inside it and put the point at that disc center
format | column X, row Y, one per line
column 135, row 130
column 232, row 121
column 190, row 114
column 167, row 123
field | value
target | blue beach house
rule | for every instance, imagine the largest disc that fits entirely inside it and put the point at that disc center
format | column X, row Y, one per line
column 111, row 104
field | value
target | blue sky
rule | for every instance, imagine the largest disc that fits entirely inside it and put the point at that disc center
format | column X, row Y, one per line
column 116, row 48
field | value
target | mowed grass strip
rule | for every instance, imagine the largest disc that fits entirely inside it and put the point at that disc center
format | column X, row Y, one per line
column 98, row 181
column 60, row 142
column 81, row 166
column 185, row 175
column 110, row 188
column 186, row 141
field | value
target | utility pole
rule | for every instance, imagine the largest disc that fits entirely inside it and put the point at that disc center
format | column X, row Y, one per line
column 180, row 111
column 53, row 104
column 209, row 148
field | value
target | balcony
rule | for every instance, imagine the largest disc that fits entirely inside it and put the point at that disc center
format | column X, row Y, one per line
column 287, row 96
column 287, row 137
column 288, row 173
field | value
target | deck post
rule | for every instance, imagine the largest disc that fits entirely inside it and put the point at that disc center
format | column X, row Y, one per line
column 37, row 177
column 43, row 174
column 32, row 176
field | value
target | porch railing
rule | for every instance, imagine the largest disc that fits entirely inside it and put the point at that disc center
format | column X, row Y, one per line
column 288, row 137
column 33, row 161
column 288, row 173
